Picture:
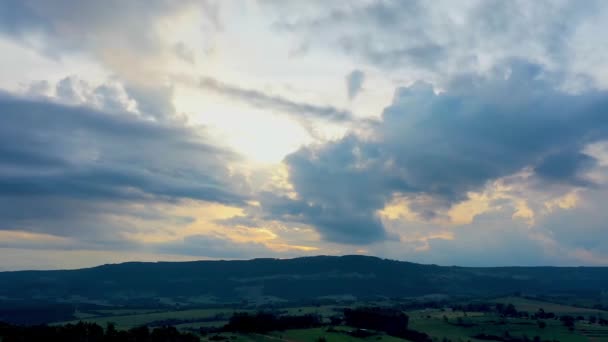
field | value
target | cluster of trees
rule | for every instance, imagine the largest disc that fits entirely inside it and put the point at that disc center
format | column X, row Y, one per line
column 91, row 332
column 267, row 321
column 505, row 310
column 598, row 320
column 176, row 321
column 509, row 310
column 567, row 320
column 541, row 314
column 418, row 304
column 473, row 307
column 391, row 321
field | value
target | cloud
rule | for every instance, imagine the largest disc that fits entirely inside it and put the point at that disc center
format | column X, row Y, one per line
column 567, row 166
column 489, row 240
column 581, row 227
column 262, row 100
column 153, row 100
column 565, row 235
column 354, row 82
column 215, row 247
column 374, row 31
column 436, row 40
column 109, row 96
column 126, row 39
column 434, row 148
column 486, row 137
column 184, row 52
column 80, row 172
column 88, row 25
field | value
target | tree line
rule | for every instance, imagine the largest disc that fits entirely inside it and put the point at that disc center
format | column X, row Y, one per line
column 91, row 332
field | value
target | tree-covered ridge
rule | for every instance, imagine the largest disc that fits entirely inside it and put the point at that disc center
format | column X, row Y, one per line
column 293, row 279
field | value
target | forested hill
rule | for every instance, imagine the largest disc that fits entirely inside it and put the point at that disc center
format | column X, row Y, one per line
column 293, row 279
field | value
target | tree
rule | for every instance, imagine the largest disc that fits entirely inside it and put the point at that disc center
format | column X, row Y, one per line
column 510, row 310
column 568, row 321
column 111, row 330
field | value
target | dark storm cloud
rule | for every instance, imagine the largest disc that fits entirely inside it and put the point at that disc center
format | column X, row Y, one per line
column 262, row 100
column 49, row 148
column 64, row 168
column 439, row 146
column 566, row 166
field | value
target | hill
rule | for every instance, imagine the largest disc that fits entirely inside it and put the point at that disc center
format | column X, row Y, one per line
column 291, row 279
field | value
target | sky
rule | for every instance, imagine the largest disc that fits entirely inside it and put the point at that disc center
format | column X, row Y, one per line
column 469, row 132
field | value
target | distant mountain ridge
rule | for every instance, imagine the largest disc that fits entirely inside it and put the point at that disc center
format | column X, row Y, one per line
column 291, row 279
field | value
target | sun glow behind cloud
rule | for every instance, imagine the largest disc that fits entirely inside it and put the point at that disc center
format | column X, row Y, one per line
column 257, row 134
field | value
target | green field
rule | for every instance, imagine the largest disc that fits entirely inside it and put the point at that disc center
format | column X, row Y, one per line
column 135, row 319
column 312, row 335
column 494, row 325
column 325, row 311
column 308, row 335
column 530, row 305
column 437, row 323
column 129, row 318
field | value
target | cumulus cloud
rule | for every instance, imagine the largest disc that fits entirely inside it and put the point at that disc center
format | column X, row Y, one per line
column 434, row 40
column 124, row 38
column 153, row 100
column 436, row 147
column 486, row 241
